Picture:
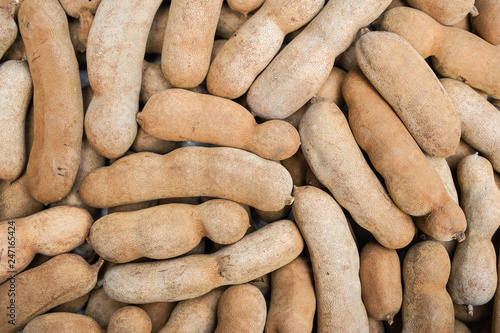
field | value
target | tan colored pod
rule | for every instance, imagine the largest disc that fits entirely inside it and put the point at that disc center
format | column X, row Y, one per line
column 16, row 51
column 153, row 81
column 405, row 82
column 197, row 314
column 159, row 313
column 293, row 300
column 157, row 31
column 444, row 171
column 57, row 98
column 182, row 115
column 487, row 23
column 256, row 254
column 334, row 259
column 8, row 27
column 427, row 306
column 50, row 232
column 376, row 326
column 188, row 41
column 332, row 88
column 451, row 48
column 83, row 10
column 461, row 327
column 100, row 307
column 229, row 21
column 15, row 199
column 72, row 306
column 115, row 54
column 241, row 308
column 255, row 44
column 62, row 322
column 15, row 93
column 381, row 288
column 472, row 281
column 481, row 312
column 339, row 164
column 300, row 69
column 146, row 143
column 132, row 207
column 447, row 12
column 412, row 182
column 222, row 172
column 70, row 276
column 245, row 6
column 167, row 231
column 479, row 120
column 463, row 150
column 129, row 319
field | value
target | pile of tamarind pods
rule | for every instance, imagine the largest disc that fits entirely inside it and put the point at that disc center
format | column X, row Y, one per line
column 249, row 166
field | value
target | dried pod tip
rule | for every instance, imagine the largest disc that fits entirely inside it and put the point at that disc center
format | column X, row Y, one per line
column 470, row 310
column 474, row 12
column 390, row 319
column 459, row 236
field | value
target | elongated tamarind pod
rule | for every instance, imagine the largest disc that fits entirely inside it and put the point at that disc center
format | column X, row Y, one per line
column 222, row 172
column 130, row 319
column 182, row 115
column 256, row 254
column 447, row 12
column 62, row 322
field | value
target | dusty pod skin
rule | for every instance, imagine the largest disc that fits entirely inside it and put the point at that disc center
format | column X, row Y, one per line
column 188, row 41
column 405, row 82
column 15, row 93
column 331, row 245
column 146, row 143
column 159, row 313
column 229, row 21
column 254, row 45
column 83, row 10
column 241, row 308
column 338, row 163
column 157, row 31
column 447, row 12
column 380, row 274
column 461, row 327
column 256, row 254
column 153, row 81
column 100, row 307
column 182, row 115
column 412, row 182
column 472, row 281
column 450, row 48
column 15, row 199
column 57, row 98
column 479, row 120
column 72, row 306
column 63, row 322
column 300, row 69
column 245, row 6
column 197, row 314
column 463, row 150
column 70, row 277
column 487, row 23
column 177, row 228
column 293, row 300
column 115, row 54
column 129, row 319
column 375, row 326
column 427, row 306
column 8, row 27
column 50, row 232
column 189, row 172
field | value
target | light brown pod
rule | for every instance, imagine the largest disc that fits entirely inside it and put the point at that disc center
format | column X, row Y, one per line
column 381, row 288
column 129, row 319
column 255, row 44
column 450, row 47
column 70, row 277
column 189, row 172
column 181, row 115
column 100, row 307
column 300, row 69
column 376, row 326
column 293, row 300
column 72, row 306
column 62, row 322
column 15, row 94
column 461, row 327
column 57, row 98
column 8, row 27
column 405, row 82
column 84, row 11
column 463, row 150
column 229, row 21
column 159, row 313
column 241, row 308
column 253, row 256
column 157, row 31
column 15, row 199
column 334, row 259
column 338, row 163
column 427, row 306
column 50, row 232
column 447, row 12
column 188, row 41
column 245, row 6
column 414, row 185
column 487, row 23
column 197, row 314
column 153, row 81
column 472, row 281
column 146, row 143
column 479, row 120
column 115, row 54
column 167, row 231
column 481, row 312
